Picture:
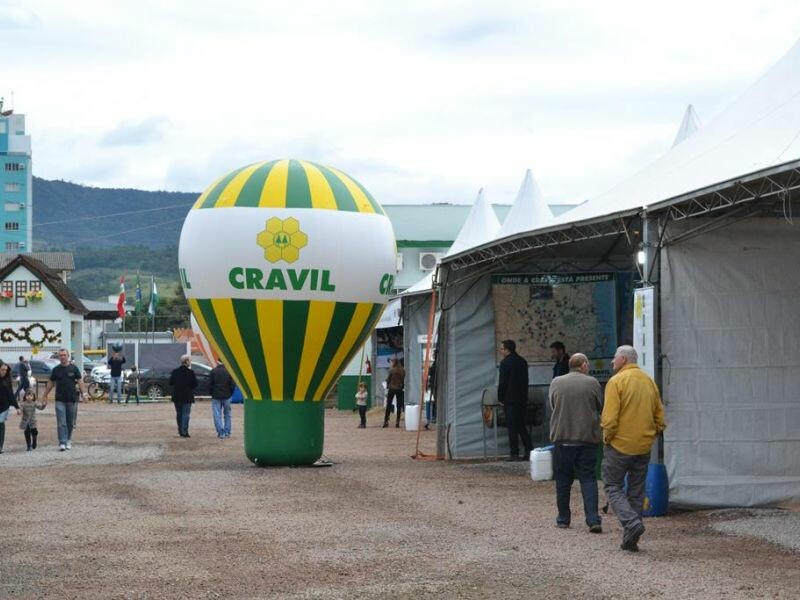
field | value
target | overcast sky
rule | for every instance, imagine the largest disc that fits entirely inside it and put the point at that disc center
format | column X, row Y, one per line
column 421, row 101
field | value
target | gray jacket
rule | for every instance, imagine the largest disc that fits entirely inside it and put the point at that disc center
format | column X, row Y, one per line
column 576, row 400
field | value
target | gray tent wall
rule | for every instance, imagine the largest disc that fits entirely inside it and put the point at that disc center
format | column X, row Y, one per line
column 416, row 310
column 730, row 327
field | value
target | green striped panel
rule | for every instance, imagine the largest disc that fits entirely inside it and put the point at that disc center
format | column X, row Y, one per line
column 342, row 315
column 344, row 199
column 295, row 319
column 298, row 193
column 251, row 191
column 214, row 195
column 247, row 320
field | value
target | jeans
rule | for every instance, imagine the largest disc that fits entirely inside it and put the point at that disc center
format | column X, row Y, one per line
column 115, row 388
column 222, row 416
column 66, row 414
column 362, row 414
column 182, row 413
column 628, row 505
column 396, row 395
column 569, row 463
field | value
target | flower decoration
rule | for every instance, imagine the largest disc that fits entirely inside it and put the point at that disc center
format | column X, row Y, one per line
column 6, row 296
column 34, row 295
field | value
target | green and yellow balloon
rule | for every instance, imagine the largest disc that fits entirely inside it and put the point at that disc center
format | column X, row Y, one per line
column 287, row 266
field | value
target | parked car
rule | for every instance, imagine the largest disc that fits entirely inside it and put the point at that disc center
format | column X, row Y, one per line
column 154, row 383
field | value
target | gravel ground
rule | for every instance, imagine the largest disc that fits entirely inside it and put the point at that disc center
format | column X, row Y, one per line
column 780, row 527
column 134, row 511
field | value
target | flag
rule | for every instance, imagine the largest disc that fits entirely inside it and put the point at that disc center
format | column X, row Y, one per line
column 138, row 308
column 151, row 310
column 121, row 300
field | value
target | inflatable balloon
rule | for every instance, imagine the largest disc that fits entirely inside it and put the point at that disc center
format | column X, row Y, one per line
column 287, row 266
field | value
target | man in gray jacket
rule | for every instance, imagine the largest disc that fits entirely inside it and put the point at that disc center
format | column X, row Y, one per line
column 576, row 402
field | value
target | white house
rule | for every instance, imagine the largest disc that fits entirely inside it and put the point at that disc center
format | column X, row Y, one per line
column 38, row 311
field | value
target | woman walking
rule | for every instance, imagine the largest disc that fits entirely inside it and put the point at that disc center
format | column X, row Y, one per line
column 7, row 400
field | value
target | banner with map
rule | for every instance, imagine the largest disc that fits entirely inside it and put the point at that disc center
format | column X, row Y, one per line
column 578, row 309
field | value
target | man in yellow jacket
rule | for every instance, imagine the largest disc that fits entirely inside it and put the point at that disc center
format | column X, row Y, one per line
column 632, row 418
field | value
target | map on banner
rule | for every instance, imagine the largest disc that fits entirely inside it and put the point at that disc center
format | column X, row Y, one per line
column 578, row 309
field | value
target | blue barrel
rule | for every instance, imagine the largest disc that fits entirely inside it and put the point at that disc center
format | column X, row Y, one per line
column 237, row 397
column 656, row 495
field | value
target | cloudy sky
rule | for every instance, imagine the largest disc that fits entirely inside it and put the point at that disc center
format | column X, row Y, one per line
column 422, row 101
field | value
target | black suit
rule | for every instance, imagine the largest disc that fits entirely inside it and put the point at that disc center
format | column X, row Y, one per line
column 183, row 381
column 512, row 392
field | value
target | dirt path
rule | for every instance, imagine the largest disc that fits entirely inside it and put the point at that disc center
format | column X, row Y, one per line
column 134, row 511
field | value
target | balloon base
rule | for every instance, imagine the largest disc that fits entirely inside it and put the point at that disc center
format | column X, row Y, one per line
column 283, row 433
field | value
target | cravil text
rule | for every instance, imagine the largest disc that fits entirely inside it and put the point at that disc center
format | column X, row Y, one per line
column 281, row 279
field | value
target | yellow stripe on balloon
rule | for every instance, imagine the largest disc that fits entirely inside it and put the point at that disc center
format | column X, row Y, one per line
column 270, row 324
column 223, row 310
column 199, row 202
column 320, row 316
column 273, row 194
column 349, row 340
column 201, row 321
column 321, row 192
column 230, row 194
column 362, row 202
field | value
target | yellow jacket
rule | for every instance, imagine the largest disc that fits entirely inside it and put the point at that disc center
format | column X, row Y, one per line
column 633, row 414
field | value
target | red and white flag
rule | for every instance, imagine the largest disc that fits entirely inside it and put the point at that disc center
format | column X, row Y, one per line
column 121, row 300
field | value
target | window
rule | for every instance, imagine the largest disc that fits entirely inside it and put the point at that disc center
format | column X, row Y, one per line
column 12, row 226
column 35, row 285
column 15, row 166
column 7, row 288
column 11, row 206
column 20, row 287
column 12, row 245
column 12, row 187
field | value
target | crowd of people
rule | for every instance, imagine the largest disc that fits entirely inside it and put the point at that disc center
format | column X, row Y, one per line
column 70, row 389
column 625, row 421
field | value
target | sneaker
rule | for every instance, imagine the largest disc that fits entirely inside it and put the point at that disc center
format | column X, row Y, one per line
column 562, row 525
column 630, row 539
column 385, row 425
column 62, row 447
column 69, row 445
column 596, row 528
column 629, row 546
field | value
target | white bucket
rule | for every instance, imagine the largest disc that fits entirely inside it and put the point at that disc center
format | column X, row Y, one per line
column 541, row 464
column 412, row 417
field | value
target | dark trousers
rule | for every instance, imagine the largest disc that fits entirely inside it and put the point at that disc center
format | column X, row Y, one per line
column 627, row 505
column 182, row 413
column 515, row 422
column 570, row 463
column 390, row 395
column 31, row 433
column 362, row 412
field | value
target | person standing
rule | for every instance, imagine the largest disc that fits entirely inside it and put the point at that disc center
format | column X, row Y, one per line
column 395, row 384
column 7, row 400
column 632, row 418
column 65, row 377
column 23, row 372
column 115, row 364
column 133, row 385
column 558, row 352
column 512, row 393
column 362, row 396
column 183, row 382
column 575, row 399
column 220, row 383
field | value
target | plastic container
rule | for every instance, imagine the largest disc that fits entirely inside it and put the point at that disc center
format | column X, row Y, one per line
column 412, row 417
column 542, row 463
column 656, row 495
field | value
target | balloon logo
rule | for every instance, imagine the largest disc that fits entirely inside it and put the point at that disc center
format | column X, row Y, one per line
column 287, row 266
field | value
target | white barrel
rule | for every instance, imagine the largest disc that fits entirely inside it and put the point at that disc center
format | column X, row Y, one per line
column 541, row 464
column 412, row 417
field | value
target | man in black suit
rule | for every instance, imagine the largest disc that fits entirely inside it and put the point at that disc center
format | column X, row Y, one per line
column 512, row 393
column 183, row 381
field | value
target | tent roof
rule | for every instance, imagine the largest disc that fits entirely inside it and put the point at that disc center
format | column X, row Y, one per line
column 689, row 124
column 760, row 130
column 529, row 210
column 480, row 226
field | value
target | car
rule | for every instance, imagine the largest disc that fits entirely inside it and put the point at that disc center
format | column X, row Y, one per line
column 154, row 383
column 39, row 368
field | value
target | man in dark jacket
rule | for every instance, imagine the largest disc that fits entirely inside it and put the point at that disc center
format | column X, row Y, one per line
column 220, row 384
column 576, row 402
column 183, row 382
column 512, row 393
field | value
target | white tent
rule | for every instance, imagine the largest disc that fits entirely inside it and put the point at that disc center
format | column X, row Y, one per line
column 689, row 124
column 529, row 211
column 715, row 217
column 480, row 226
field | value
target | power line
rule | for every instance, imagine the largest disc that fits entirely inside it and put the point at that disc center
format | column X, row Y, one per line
column 116, row 233
column 118, row 214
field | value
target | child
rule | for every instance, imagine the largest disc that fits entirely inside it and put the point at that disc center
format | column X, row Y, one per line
column 28, row 421
column 133, row 384
column 361, row 401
